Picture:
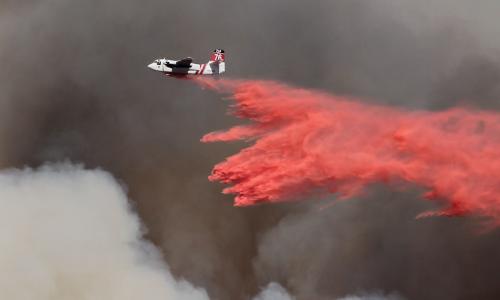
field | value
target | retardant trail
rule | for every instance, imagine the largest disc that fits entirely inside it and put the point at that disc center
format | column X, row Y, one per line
column 307, row 142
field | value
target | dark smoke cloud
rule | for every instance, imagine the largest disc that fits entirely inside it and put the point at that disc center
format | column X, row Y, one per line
column 73, row 85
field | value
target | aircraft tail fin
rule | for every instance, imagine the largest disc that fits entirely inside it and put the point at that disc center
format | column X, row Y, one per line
column 218, row 56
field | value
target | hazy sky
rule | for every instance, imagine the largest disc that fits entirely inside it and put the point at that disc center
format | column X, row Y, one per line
column 74, row 86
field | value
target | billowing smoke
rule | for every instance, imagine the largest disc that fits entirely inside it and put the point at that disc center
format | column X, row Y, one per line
column 74, row 85
column 69, row 233
column 374, row 296
column 273, row 291
column 309, row 142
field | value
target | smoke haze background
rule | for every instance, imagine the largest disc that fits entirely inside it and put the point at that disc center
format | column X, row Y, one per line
column 73, row 85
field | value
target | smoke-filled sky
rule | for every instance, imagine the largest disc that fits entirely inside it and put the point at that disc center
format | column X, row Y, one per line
column 74, row 87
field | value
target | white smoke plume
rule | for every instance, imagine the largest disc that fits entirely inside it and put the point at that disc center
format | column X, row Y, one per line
column 69, row 233
column 374, row 296
column 274, row 291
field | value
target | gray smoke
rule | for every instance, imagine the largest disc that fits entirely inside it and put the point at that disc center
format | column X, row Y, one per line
column 373, row 296
column 73, row 85
column 69, row 233
column 273, row 291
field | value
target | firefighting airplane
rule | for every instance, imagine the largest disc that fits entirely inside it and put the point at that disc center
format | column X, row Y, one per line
column 183, row 67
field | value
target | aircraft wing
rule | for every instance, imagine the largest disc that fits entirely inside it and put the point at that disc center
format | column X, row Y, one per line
column 184, row 63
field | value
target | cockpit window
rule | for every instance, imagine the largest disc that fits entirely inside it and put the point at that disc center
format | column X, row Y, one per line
column 158, row 62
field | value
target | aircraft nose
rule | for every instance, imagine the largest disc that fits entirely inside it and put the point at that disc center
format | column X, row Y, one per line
column 152, row 66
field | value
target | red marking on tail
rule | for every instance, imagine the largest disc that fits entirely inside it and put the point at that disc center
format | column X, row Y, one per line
column 218, row 55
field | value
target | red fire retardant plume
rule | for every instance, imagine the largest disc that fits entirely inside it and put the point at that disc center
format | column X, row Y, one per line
column 311, row 143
